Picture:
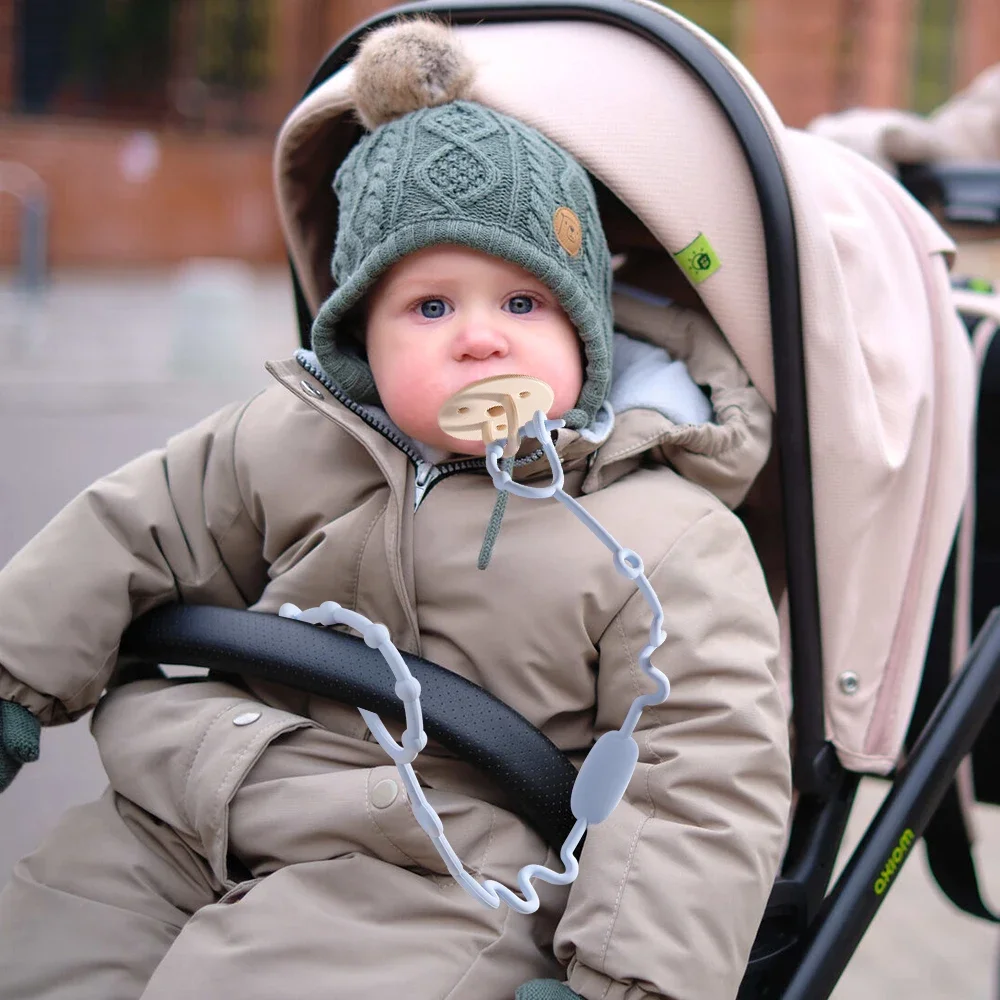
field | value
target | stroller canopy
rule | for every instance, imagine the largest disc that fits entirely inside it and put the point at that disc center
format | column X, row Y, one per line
column 888, row 368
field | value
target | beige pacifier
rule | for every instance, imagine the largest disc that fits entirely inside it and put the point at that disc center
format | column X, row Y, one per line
column 495, row 408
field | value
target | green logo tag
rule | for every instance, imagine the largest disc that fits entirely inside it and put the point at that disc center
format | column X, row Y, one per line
column 894, row 862
column 698, row 260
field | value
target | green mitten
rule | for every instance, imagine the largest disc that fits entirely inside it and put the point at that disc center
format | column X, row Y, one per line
column 19, row 732
column 545, row 989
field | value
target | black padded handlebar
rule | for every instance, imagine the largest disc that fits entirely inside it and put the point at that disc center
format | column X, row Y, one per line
column 458, row 714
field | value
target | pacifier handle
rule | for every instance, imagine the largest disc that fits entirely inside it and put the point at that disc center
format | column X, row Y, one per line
column 491, row 430
column 494, row 409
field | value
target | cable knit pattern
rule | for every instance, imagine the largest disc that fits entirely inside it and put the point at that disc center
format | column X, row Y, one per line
column 463, row 173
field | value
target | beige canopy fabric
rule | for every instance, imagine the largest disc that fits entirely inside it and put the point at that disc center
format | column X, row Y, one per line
column 889, row 370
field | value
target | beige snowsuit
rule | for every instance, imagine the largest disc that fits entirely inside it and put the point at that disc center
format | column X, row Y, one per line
column 278, row 857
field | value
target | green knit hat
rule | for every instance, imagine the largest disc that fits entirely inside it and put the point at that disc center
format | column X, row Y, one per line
column 439, row 169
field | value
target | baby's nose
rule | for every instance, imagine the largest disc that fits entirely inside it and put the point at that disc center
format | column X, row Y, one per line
column 480, row 340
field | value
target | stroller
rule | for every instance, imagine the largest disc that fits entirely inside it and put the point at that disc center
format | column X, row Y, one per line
column 835, row 298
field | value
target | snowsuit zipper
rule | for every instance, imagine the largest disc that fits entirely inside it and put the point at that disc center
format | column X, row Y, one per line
column 426, row 474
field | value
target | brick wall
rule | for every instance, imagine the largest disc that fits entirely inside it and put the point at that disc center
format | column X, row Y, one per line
column 7, row 56
column 121, row 197
column 881, row 60
column 343, row 15
column 112, row 204
column 978, row 38
column 794, row 53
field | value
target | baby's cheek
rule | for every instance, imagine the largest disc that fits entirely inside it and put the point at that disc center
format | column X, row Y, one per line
column 566, row 382
column 409, row 403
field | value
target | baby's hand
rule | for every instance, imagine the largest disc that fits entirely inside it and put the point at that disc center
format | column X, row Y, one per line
column 19, row 732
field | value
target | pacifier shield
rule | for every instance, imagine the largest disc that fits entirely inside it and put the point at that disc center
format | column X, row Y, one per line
column 495, row 408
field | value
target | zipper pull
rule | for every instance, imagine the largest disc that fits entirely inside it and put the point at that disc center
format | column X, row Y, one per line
column 422, row 479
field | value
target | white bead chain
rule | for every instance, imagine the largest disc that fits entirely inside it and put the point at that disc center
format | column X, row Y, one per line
column 609, row 765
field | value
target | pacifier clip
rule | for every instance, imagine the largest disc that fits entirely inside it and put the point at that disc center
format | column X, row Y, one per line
column 502, row 411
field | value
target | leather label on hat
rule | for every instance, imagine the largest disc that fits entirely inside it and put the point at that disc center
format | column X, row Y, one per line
column 568, row 230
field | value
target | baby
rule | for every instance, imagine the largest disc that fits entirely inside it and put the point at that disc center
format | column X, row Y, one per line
column 254, row 842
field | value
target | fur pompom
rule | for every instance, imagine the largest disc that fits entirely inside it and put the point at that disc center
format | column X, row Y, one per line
column 406, row 66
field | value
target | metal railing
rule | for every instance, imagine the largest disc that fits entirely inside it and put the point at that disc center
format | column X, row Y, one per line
column 29, row 190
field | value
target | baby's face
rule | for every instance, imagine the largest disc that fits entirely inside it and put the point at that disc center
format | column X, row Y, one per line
column 446, row 316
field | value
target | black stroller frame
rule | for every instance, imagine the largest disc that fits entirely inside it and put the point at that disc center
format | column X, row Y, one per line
column 808, row 933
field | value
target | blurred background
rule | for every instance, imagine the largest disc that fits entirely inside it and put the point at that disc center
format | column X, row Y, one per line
column 150, row 122
column 143, row 281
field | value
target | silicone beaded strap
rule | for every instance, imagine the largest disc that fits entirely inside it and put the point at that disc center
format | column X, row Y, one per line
column 609, row 765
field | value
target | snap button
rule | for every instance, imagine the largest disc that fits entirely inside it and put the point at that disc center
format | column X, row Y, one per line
column 849, row 682
column 246, row 718
column 311, row 389
column 384, row 793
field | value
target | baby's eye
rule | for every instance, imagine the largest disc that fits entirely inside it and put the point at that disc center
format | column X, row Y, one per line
column 519, row 305
column 434, row 308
